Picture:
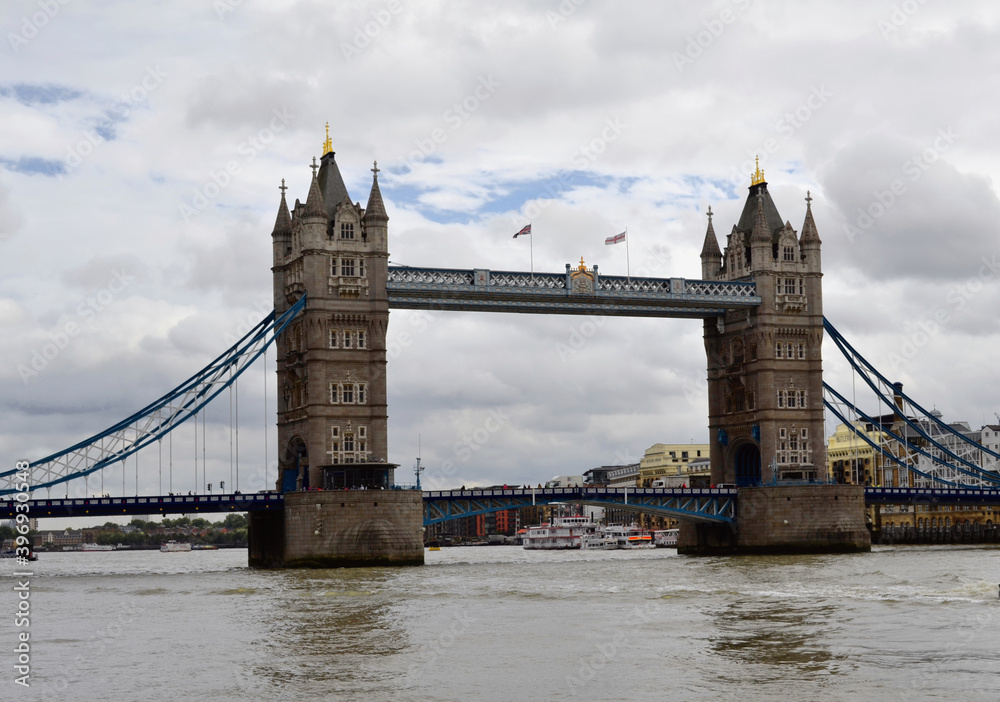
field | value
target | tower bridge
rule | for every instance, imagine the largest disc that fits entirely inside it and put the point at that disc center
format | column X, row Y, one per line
column 761, row 305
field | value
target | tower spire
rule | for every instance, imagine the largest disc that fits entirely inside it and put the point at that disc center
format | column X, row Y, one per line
column 761, row 233
column 758, row 176
column 375, row 212
column 711, row 255
column 809, row 233
column 328, row 144
column 283, row 222
column 314, row 203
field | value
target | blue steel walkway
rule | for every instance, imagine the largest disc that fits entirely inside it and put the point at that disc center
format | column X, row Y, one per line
column 708, row 505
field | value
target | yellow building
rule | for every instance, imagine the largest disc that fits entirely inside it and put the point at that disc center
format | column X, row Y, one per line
column 853, row 461
column 670, row 461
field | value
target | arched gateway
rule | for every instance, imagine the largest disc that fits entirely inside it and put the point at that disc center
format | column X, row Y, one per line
column 761, row 302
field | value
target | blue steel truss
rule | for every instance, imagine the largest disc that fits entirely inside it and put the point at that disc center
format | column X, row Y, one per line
column 162, row 504
column 705, row 505
column 908, row 445
column 157, row 419
column 484, row 290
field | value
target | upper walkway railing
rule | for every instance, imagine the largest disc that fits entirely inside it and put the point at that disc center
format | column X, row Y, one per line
column 572, row 292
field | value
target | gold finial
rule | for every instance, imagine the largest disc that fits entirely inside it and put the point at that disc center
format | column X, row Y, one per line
column 758, row 177
column 328, row 144
column 583, row 266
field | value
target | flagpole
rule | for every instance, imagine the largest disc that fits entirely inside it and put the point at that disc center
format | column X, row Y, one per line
column 531, row 251
column 628, row 268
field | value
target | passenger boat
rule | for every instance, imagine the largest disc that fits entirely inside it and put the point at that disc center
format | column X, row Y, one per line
column 626, row 537
column 564, row 533
column 97, row 547
column 665, row 538
column 174, row 547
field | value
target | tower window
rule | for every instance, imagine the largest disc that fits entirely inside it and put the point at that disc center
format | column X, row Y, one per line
column 789, row 286
column 778, row 350
column 362, row 391
column 788, row 253
column 347, row 266
column 334, row 399
column 348, row 339
column 347, row 394
column 361, row 339
column 333, row 338
column 802, row 351
column 347, row 230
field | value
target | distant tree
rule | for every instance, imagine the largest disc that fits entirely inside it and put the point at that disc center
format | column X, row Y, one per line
column 200, row 523
column 7, row 532
column 235, row 521
column 110, row 526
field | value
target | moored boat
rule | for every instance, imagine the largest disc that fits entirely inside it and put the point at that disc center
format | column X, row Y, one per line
column 665, row 538
column 97, row 547
column 174, row 547
column 627, row 537
column 563, row 533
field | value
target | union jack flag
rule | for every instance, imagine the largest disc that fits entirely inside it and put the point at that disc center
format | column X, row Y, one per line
column 526, row 229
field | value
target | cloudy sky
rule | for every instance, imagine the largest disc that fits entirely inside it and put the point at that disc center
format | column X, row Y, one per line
column 143, row 145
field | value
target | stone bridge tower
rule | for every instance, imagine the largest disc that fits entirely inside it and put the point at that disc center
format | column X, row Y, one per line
column 340, row 508
column 765, row 395
column 765, row 371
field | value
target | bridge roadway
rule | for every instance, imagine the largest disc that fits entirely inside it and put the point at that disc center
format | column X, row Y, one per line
column 712, row 505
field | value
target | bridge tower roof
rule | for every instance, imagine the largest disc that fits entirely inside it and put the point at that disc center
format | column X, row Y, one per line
column 331, row 183
column 748, row 218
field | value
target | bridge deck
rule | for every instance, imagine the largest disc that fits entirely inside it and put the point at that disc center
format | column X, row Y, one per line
column 160, row 504
column 697, row 504
column 555, row 293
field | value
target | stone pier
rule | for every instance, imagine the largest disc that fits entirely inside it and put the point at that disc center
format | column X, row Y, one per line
column 340, row 529
column 786, row 519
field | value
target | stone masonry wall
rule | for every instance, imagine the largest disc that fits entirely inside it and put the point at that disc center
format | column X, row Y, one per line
column 353, row 528
column 802, row 519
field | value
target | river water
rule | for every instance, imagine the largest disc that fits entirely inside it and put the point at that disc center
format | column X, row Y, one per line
column 502, row 623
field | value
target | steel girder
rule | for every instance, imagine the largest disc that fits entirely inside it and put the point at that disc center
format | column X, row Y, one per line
column 554, row 293
column 164, row 504
column 706, row 505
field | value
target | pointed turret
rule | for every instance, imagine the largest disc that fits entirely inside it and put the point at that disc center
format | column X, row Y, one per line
column 283, row 222
column 761, row 232
column 809, row 233
column 810, row 244
column 315, row 206
column 375, row 211
column 711, row 255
